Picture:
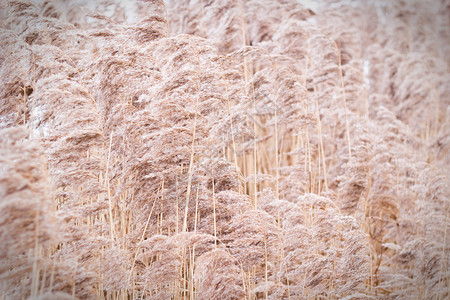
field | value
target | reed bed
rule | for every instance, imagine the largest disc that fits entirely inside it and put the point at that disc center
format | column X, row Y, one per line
column 224, row 149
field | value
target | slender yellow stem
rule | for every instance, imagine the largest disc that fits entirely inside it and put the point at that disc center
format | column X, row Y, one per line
column 319, row 131
column 142, row 239
column 214, row 203
column 111, row 220
column 191, row 165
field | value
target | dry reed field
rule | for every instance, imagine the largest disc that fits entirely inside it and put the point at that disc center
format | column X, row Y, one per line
column 229, row 149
